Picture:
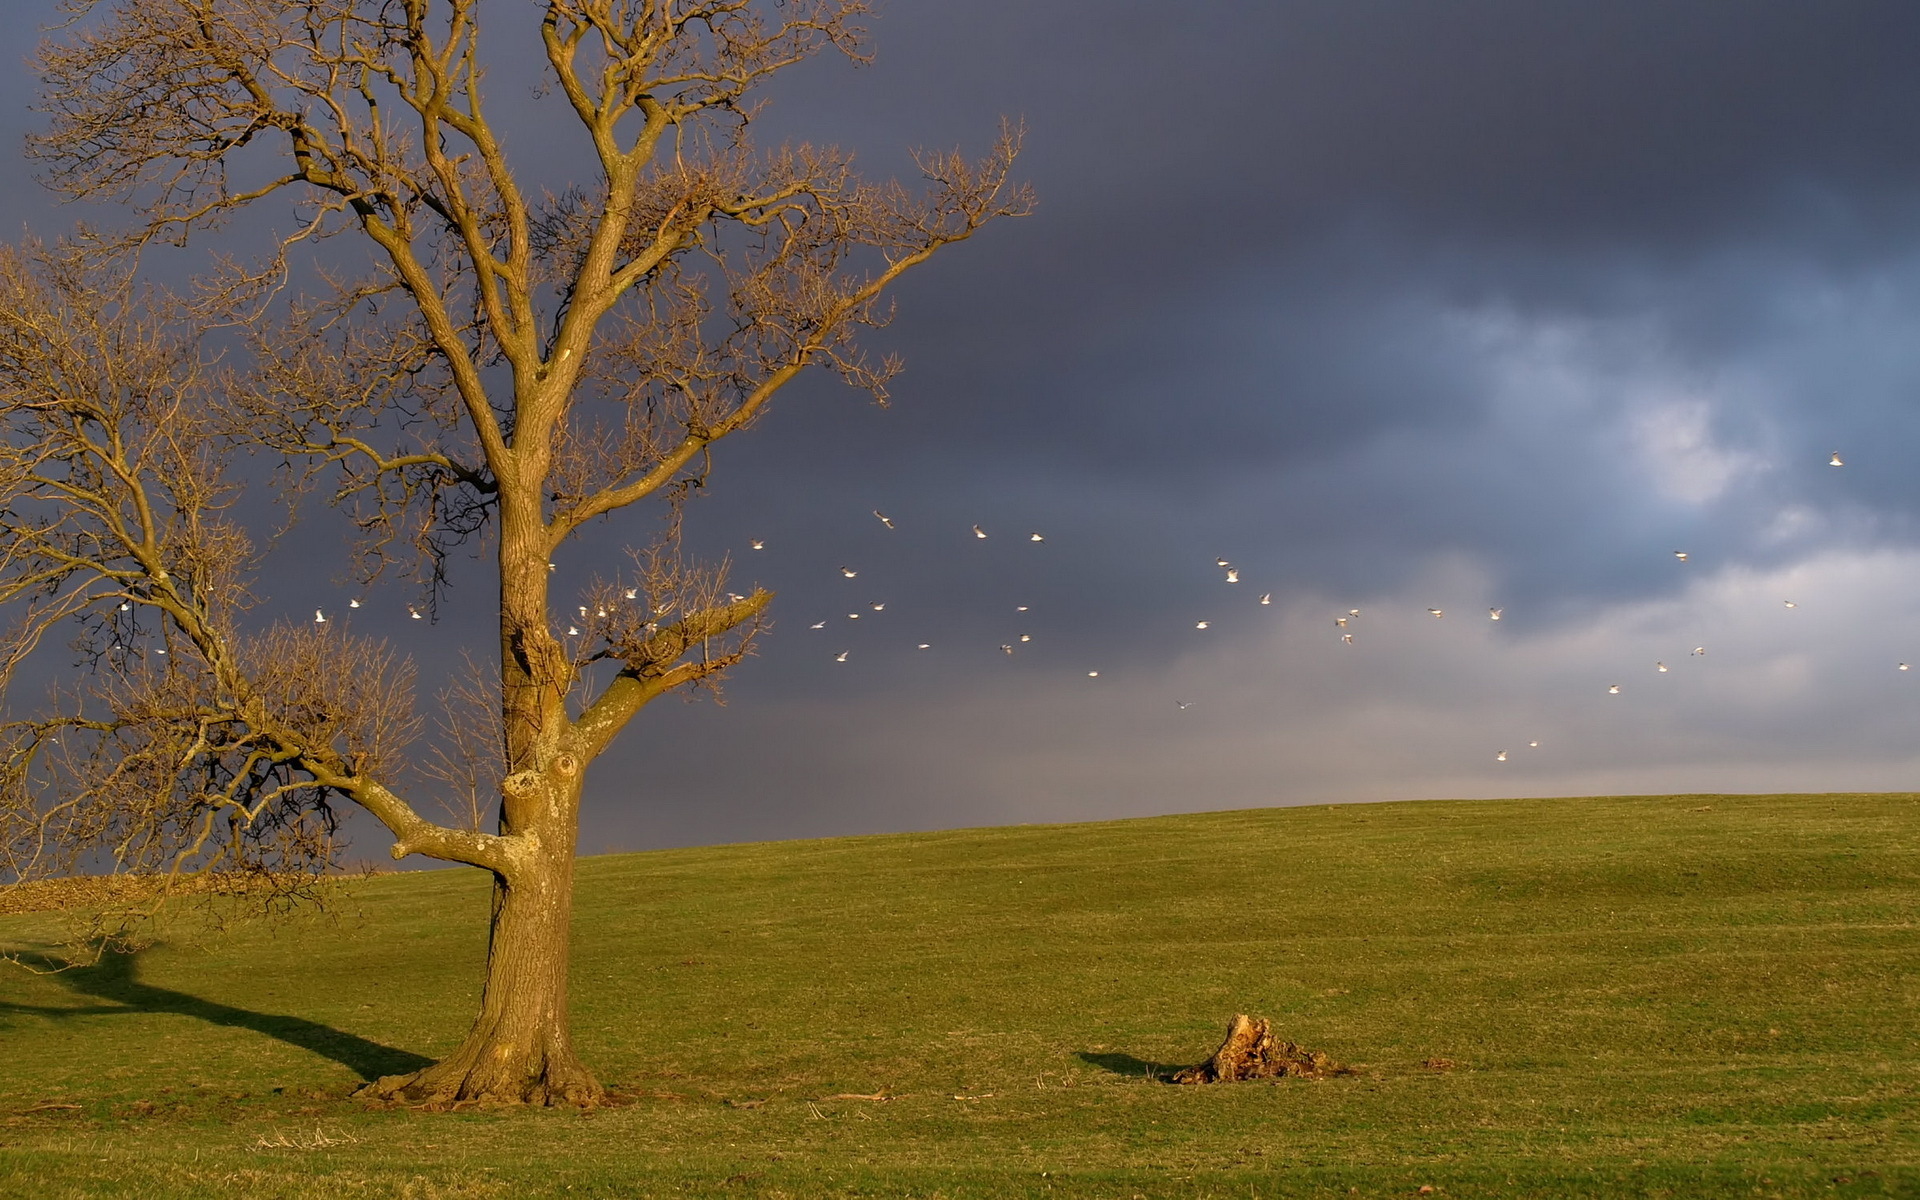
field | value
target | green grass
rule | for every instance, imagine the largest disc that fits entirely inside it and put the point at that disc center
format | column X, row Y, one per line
column 1643, row 996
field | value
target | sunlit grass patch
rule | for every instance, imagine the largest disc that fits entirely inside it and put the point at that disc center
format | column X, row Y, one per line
column 1614, row 996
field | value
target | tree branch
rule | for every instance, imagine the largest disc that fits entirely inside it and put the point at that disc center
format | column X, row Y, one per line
column 653, row 668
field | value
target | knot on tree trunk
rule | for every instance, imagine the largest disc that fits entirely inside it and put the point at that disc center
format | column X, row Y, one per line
column 1252, row 1052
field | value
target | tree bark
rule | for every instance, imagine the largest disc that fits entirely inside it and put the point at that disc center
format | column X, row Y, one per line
column 520, row 1049
column 1250, row 1051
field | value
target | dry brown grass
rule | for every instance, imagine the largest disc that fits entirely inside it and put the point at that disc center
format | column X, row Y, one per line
column 79, row 893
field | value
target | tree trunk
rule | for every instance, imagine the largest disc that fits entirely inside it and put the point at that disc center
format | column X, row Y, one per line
column 1252, row 1052
column 520, row 1050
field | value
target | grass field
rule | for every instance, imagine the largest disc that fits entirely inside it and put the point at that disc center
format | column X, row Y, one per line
column 1647, row 996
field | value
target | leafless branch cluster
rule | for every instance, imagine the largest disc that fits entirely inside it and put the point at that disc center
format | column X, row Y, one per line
column 467, row 761
column 358, row 405
column 186, row 744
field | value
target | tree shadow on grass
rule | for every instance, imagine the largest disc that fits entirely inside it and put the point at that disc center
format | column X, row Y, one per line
column 1127, row 1064
column 114, row 977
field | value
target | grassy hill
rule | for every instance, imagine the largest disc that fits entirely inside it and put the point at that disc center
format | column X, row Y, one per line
column 1642, row 996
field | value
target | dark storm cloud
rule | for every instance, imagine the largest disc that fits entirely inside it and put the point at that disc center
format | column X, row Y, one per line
column 1252, row 215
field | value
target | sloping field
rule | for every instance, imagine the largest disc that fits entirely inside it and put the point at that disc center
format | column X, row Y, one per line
column 1645, row 996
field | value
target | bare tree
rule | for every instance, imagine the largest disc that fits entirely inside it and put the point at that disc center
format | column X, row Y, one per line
column 507, row 364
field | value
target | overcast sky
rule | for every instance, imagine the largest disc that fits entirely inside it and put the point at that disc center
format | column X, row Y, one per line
column 1396, row 306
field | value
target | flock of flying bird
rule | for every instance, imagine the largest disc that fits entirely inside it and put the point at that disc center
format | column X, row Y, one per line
column 1342, row 622
column 880, row 605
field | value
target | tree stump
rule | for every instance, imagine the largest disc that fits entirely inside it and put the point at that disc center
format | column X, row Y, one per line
column 1251, row 1052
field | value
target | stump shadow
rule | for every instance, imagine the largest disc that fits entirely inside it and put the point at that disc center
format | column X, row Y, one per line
column 1127, row 1064
column 115, row 978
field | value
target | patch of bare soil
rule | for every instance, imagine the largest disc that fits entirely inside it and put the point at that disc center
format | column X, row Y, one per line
column 1252, row 1052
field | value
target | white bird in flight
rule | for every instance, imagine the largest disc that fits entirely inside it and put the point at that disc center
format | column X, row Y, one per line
column 884, row 518
column 1340, row 621
column 1494, row 613
column 1699, row 649
column 1007, row 648
column 979, row 532
column 1347, row 638
column 1660, row 667
column 853, row 616
column 318, row 617
column 1613, row 689
column 1437, row 612
column 1500, row 757
column 1034, row 537
column 840, row 657
column 1182, row 704
column 633, row 593
column 849, row 572
column 1835, row 460
column 1233, row 574
column 818, row 625
column 1200, row 624
column 353, row 604
column 413, row 612
column 1221, row 562
column 1020, row 608
column 1681, row 555
column 924, row 645
column 756, row 544
column 1026, row 637
column 1267, row 598
column 1093, row 674
column 878, row 606
column 1902, row 667
column 1534, row 745
column 1791, row 604
column 572, row 632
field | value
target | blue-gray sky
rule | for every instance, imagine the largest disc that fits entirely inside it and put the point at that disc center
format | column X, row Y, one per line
column 1394, row 305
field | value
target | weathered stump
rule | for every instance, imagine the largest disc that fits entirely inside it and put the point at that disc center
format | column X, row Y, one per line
column 1252, row 1052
